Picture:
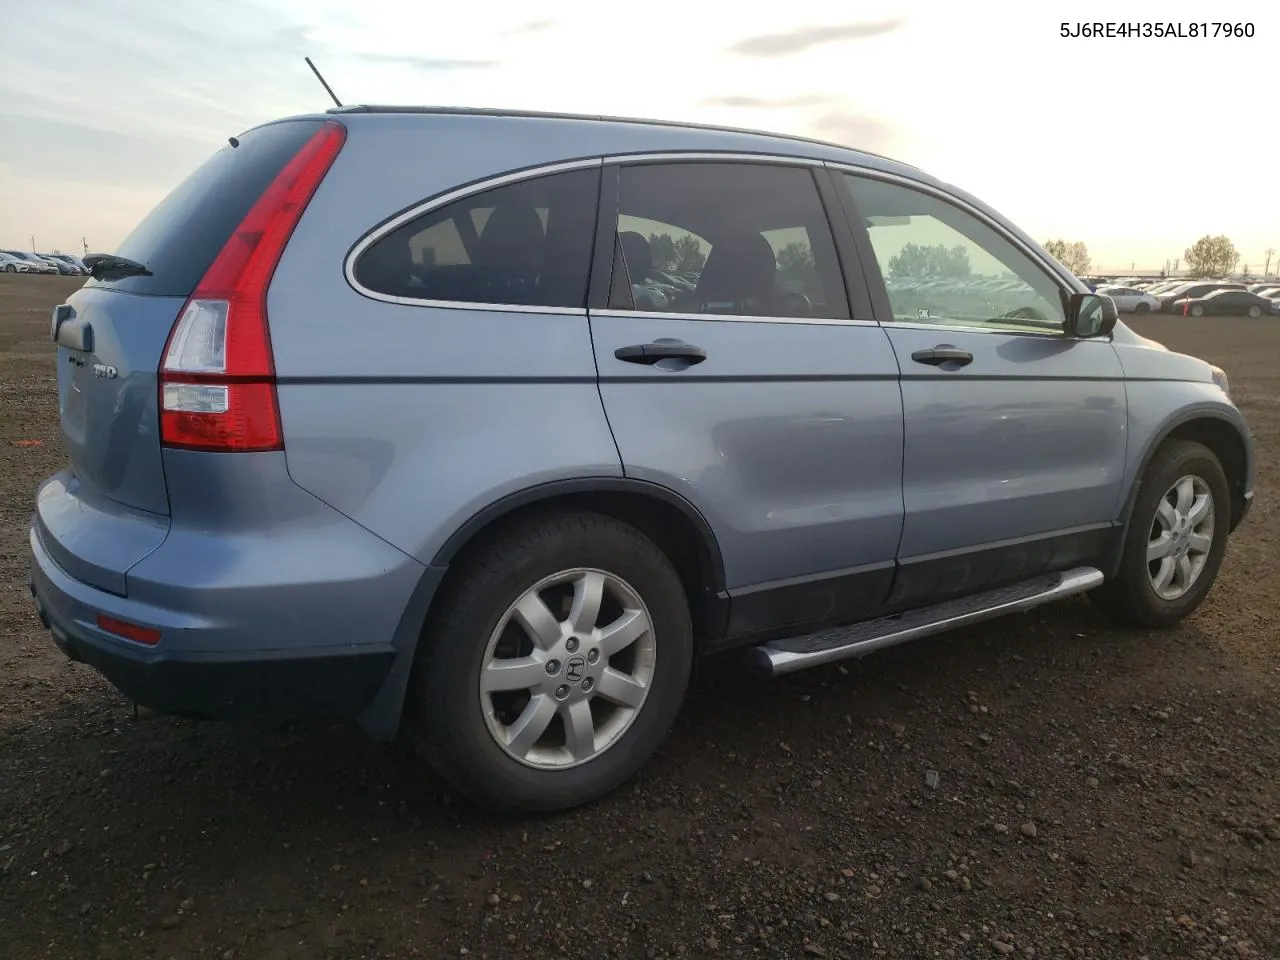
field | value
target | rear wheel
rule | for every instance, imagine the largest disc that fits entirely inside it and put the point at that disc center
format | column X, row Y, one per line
column 1255, row 312
column 554, row 666
column 1142, row 307
column 1175, row 541
column 1197, row 311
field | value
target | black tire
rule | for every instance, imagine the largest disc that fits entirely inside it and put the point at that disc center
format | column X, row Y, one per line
column 1142, row 307
column 1129, row 596
column 445, row 722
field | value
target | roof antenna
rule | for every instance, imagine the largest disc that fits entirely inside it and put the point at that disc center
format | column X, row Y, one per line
column 327, row 88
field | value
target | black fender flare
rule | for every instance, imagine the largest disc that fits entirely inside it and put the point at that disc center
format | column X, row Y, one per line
column 1167, row 429
column 586, row 485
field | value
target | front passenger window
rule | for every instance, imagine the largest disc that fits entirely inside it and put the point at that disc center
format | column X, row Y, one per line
column 942, row 265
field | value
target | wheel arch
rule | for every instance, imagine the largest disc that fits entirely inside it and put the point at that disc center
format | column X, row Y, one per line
column 670, row 520
column 1215, row 430
column 603, row 494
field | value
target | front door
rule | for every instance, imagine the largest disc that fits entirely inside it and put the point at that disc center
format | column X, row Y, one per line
column 734, row 373
column 1015, row 434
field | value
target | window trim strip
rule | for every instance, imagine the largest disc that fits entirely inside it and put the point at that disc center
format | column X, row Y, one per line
column 669, row 156
column 443, row 199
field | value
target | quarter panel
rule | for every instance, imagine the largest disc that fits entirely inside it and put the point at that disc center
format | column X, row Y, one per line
column 411, row 418
column 414, row 461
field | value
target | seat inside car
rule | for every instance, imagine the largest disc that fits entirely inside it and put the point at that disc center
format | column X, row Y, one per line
column 638, row 259
column 738, row 277
column 510, row 254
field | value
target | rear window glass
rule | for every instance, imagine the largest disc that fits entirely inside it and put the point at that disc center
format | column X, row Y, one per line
column 526, row 243
column 179, row 239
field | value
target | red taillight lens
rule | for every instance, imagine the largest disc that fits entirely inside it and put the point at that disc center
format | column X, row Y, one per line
column 217, row 379
column 130, row 631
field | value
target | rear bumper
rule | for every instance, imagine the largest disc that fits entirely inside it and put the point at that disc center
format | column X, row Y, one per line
column 172, row 678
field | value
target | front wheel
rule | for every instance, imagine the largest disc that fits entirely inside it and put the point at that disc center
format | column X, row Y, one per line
column 1254, row 312
column 1142, row 308
column 1175, row 540
column 1197, row 311
column 556, row 663
column 10, row 268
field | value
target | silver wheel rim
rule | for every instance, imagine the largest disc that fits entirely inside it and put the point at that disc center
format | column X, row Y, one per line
column 1181, row 538
column 1254, row 313
column 567, row 669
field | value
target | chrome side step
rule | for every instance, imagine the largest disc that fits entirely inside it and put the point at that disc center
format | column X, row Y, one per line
column 839, row 643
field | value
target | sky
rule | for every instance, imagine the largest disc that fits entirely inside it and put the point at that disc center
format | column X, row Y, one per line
column 1136, row 146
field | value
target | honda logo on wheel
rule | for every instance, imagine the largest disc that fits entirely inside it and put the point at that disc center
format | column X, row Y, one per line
column 574, row 669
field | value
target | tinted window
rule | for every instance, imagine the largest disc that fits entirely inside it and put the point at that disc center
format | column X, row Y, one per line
column 943, row 265
column 738, row 239
column 526, row 243
column 179, row 238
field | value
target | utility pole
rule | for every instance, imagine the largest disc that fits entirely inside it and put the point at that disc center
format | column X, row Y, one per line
column 1270, row 252
column 85, row 243
column 33, row 243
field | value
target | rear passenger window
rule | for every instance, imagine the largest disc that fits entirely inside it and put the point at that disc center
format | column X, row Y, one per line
column 741, row 239
column 524, row 244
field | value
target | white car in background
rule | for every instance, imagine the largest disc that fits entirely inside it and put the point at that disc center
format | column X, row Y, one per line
column 11, row 264
column 1128, row 300
column 38, row 264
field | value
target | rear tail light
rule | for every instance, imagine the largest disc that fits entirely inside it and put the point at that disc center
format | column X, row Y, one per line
column 217, row 379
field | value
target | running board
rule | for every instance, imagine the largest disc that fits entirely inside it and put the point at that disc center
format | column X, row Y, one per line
column 839, row 643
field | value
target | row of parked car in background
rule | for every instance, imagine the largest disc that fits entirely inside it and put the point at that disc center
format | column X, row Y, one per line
column 19, row 261
column 1195, row 298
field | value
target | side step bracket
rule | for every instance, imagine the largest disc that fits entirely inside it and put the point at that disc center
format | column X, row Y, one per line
column 839, row 643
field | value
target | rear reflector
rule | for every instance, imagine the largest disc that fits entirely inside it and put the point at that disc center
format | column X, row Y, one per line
column 217, row 379
column 130, row 631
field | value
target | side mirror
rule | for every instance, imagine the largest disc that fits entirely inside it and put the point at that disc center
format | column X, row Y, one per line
column 1091, row 315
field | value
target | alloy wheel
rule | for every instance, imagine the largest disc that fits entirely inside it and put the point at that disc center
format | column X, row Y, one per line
column 567, row 669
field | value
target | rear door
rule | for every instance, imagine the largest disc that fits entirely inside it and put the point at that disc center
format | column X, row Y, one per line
column 1015, row 433
column 734, row 373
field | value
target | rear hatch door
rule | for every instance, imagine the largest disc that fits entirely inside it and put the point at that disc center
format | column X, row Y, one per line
column 110, row 336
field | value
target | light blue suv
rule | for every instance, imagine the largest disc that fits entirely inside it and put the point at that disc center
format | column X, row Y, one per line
column 481, row 426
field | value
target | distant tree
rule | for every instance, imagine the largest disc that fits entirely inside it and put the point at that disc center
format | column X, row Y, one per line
column 688, row 254
column 915, row 260
column 1074, row 256
column 1245, row 269
column 1211, row 256
column 662, row 249
column 795, row 262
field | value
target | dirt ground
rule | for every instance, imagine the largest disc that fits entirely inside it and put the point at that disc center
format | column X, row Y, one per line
column 1099, row 793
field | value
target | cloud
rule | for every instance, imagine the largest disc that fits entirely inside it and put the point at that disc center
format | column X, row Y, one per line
column 796, row 41
column 533, row 26
column 59, row 150
column 770, row 103
column 419, row 62
column 857, row 131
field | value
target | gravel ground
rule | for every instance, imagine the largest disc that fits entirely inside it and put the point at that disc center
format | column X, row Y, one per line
column 1040, row 786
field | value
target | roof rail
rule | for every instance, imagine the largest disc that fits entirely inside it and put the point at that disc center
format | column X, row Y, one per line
column 551, row 115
